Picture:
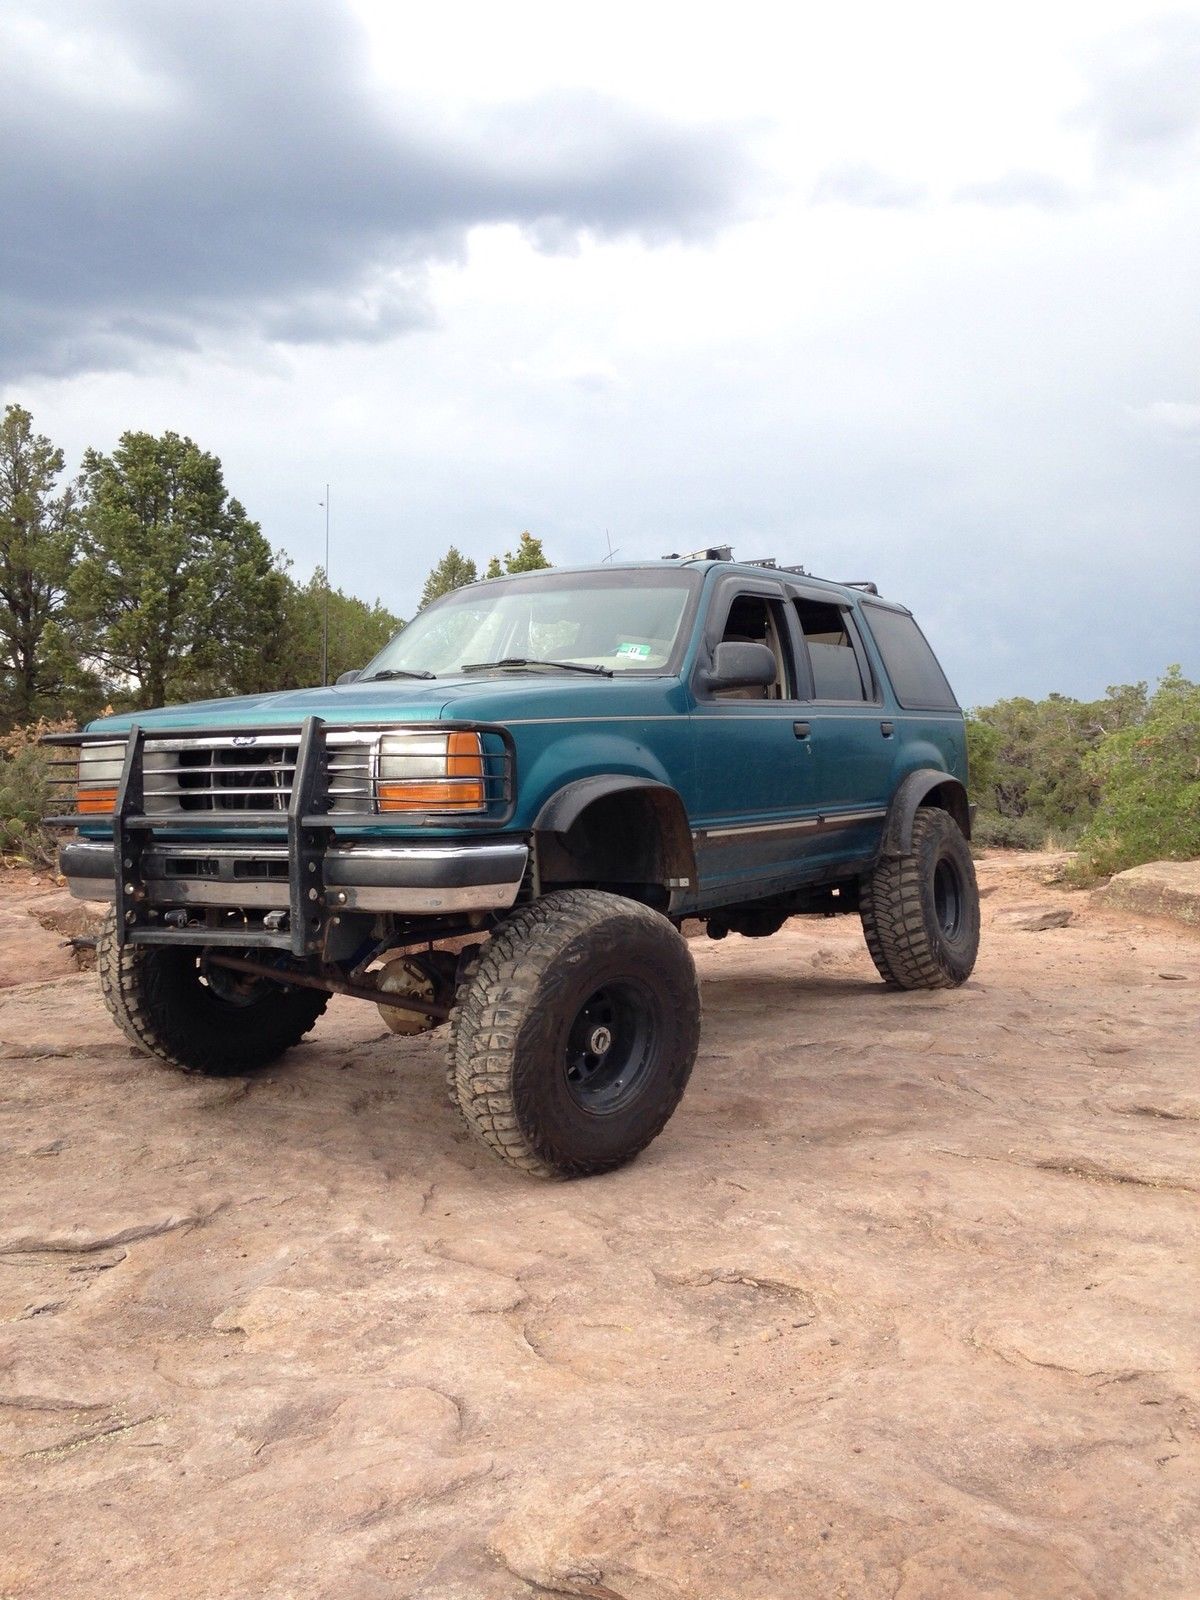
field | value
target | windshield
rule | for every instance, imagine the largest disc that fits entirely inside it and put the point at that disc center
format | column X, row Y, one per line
column 622, row 621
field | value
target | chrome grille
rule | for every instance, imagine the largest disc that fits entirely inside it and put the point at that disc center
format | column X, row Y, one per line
column 245, row 777
column 184, row 777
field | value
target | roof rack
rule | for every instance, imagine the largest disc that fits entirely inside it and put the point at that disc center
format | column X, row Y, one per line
column 770, row 562
column 711, row 552
column 724, row 552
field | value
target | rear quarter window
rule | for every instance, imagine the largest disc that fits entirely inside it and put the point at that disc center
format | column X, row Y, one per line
column 918, row 680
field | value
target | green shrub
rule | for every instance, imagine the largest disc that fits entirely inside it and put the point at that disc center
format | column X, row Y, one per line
column 1029, row 758
column 25, row 793
column 983, row 753
column 1148, row 777
column 994, row 832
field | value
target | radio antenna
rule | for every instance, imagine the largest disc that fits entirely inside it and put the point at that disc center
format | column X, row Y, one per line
column 325, row 616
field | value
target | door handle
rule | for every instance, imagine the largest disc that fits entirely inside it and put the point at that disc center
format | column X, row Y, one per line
column 887, row 729
column 801, row 729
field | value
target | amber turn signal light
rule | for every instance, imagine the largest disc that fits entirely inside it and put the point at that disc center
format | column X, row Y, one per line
column 95, row 800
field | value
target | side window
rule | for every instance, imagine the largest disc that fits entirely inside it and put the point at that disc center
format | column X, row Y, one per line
column 918, row 680
column 837, row 674
column 754, row 619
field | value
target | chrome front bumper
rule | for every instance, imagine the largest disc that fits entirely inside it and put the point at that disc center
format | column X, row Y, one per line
column 410, row 880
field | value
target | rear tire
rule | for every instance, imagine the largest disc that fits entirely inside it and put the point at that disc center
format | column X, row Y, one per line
column 574, row 1036
column 160, row 1000
column 920, row 911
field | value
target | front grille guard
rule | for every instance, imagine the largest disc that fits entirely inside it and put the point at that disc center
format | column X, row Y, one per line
column 310, row 826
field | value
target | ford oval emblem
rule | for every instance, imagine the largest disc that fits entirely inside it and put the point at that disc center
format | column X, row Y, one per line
column 242, row 739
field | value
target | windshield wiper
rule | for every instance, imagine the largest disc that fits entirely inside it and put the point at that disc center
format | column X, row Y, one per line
column 531, row 661
column 396, row 672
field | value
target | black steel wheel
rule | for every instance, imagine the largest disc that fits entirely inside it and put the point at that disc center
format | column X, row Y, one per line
column 172, row 1004
column 574, row 1036
column 610, row 1046
column 920, row 911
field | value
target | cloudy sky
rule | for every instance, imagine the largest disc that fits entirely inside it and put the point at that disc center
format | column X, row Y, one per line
column 904, row 293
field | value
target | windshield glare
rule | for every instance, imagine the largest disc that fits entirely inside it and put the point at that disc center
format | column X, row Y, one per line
column 622, row 622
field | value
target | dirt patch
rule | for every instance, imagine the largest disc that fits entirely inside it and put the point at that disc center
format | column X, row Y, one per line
column 901, row 1304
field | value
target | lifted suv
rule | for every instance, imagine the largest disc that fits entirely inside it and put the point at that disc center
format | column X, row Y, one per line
column 503, row 821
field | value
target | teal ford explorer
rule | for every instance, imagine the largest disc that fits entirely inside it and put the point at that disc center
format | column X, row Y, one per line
column 502, row 821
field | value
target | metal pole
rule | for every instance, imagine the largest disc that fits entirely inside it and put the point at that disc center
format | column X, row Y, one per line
column 325, row 625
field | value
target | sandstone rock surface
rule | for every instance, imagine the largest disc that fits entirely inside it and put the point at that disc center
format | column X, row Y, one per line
column 901, row 1304
column 37, row 924
column 1034, row 919
column 1159, row 889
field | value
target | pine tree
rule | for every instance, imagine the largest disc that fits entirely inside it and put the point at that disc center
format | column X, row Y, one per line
column 37, row 545
column 357, row 632
column 176, row 592
column 528, row 557
column 452, row 572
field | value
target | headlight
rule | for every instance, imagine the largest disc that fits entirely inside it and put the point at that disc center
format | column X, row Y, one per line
column 430, row 772
column 99, row 776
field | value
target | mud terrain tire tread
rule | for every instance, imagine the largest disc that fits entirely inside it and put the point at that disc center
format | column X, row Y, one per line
column 879, row 955
column 899, row 924
column 453, row 1023
column 142, row 993
column 505, row 992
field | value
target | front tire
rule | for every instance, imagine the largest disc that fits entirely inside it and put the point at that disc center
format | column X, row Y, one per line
column 920, row 911
column 575, row 1034
column 164, row 1003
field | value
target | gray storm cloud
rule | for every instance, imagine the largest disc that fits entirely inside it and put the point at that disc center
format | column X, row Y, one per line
column 231, row 166
column 975, row 386
column 1144, row 107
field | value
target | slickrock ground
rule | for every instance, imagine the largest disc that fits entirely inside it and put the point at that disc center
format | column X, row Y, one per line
column 902, row 1305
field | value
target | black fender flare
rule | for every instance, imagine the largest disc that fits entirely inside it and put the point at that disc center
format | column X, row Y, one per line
column 565, row 807
column 915, row 791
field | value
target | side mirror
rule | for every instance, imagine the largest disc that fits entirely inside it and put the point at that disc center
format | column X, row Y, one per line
column 349, row 677
column 741, row 666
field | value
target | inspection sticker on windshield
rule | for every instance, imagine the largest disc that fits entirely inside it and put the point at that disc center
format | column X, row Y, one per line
column 639, row 650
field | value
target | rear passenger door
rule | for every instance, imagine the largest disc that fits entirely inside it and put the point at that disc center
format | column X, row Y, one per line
column 853, row 735
column 753, row 811
column 928, row 714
